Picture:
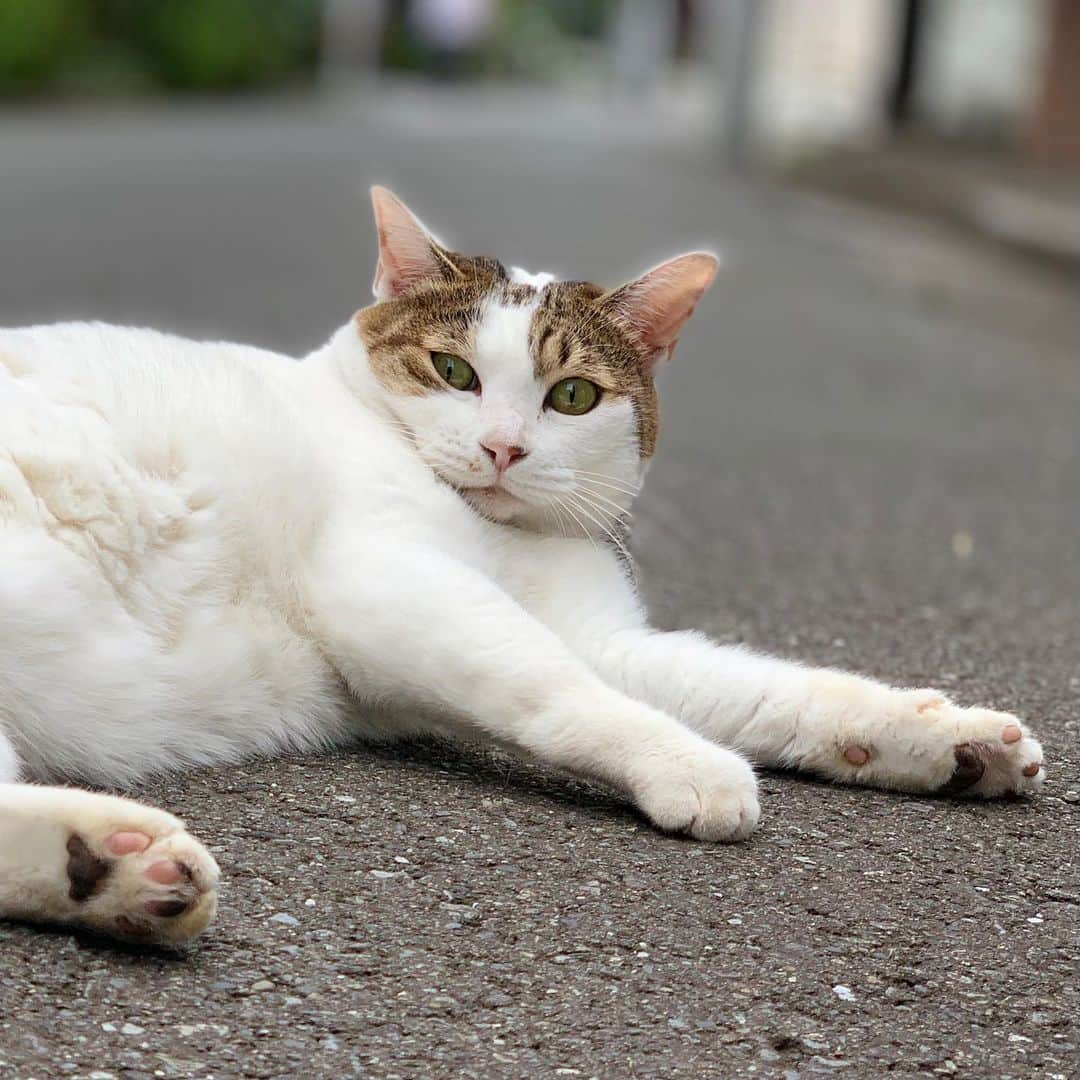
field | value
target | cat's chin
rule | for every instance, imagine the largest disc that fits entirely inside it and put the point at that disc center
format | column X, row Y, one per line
column 494, row 502
column 504, row 507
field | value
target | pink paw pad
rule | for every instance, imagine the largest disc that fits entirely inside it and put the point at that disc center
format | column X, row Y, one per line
column 856, row 755
column 1011, row 734
column 166, row 872
column 127, row 843
column 930, row 704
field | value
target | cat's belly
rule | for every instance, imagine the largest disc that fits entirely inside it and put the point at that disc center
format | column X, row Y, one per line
column 137, row 632
column 96, row 685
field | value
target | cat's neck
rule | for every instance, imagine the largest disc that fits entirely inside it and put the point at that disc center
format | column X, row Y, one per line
column 342, row 364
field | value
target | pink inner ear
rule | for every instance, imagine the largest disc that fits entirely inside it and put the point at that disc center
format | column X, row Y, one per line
column 656, row 306
column 408, row 254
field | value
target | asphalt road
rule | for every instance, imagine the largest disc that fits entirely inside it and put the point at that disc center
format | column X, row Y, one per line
column 870, row 460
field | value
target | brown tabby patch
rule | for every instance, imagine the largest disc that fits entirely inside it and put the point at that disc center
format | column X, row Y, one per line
column 573, row 333
column 438, row 315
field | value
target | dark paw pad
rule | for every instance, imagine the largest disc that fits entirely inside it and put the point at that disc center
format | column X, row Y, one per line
column 167, row 909
column 969, row 770
column 85, row 870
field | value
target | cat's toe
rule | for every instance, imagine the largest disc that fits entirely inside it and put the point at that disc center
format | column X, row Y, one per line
column 172, row 895
column 128, row 843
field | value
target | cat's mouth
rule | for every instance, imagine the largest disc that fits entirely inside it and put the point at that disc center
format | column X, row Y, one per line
column 487, row 491
column 491, row 500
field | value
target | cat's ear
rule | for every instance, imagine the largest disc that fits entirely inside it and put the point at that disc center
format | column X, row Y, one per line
column 408, row 253
column 655, row 306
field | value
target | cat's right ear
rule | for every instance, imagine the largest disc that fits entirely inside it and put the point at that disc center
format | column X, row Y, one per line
column 655, row 307
column 408, row 253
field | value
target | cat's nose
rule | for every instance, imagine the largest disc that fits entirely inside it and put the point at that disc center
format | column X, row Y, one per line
column 502, row 454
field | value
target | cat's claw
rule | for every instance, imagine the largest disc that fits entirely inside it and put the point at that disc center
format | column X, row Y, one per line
column 158, row 889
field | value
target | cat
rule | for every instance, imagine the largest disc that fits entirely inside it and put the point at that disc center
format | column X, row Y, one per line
column 210, row 552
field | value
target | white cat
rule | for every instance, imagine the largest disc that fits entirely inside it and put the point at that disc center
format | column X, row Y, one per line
column 209, row 552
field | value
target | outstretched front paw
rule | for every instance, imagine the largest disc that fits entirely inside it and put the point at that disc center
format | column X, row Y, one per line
column 699, row 789
column 923, row 742
column 141, row 882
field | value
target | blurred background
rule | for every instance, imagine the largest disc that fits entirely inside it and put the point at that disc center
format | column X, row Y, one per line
column 964, row 111
column 778, row 75
column 881, row 394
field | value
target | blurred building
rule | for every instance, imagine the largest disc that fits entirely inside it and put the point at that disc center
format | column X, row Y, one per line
column 989, row 73
column 1055, row 129
column 780, row 76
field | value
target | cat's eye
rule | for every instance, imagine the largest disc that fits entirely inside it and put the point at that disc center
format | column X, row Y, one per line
column 574, row 396
column 455, row 371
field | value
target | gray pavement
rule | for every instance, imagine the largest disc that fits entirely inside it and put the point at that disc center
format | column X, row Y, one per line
column 869, row 460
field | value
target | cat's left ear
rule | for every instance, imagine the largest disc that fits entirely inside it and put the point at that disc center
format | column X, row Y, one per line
column 655, row 306
column 408, row 253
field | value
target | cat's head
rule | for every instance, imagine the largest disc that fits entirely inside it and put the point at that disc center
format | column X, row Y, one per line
column 534, row 398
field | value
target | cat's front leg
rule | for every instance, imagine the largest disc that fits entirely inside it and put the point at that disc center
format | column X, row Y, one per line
column 830, row 723
column 780, row 714
column 407, row 623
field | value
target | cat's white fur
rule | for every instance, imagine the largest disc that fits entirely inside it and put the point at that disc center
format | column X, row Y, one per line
column 209, row 552
column 523, row 277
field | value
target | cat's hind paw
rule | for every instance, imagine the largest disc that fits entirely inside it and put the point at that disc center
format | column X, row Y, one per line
column 141, row 885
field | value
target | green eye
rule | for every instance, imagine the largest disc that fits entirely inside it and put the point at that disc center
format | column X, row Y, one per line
column 574, row 396
column 455, row 371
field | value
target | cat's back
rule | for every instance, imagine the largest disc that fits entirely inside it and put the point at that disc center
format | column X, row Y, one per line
column 138, row 381
column 118, row 441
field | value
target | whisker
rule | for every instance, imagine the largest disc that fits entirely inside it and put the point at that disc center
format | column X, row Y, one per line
column 584, row 528
column 618, row 520
column 602, row 475
column 599, row 487
column 615, row 541
column 622, row 511
column 562, row 522
column 588, row 498
column 554, row 506
column 401, row 428
column 607, row 481
column 620, row 546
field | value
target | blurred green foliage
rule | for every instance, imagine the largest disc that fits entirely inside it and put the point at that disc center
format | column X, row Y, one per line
column 88, row 47
column 199, row 44
column 36, row 38
column 106, row 45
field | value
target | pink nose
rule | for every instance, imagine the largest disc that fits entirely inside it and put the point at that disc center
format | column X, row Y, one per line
column 502, row 454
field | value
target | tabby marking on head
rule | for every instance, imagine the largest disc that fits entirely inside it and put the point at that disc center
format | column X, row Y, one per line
column 553, row 377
